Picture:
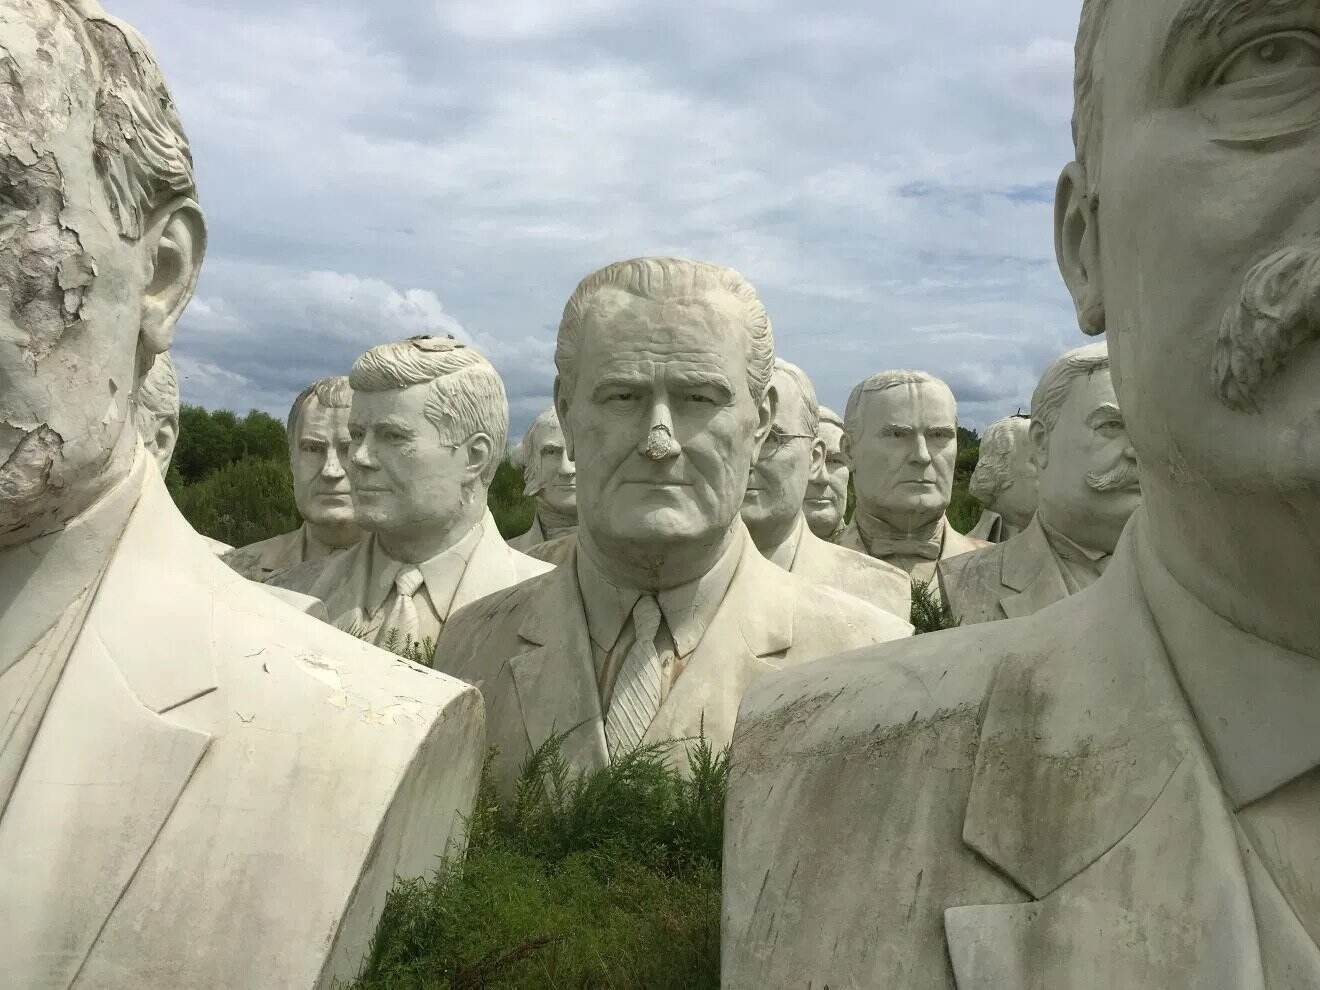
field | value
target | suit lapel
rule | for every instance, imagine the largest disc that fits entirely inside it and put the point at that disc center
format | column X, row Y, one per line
column 105, row 769
column 750, row 632
column 1030, row 568
column 556, row 679
column 488, row 570
column 1116, row 826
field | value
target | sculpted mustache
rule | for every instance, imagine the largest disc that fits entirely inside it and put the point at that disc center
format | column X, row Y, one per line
column 1278, row 312
column 1117, row 478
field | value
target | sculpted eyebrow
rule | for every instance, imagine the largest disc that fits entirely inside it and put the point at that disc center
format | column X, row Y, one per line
column 1207, row 18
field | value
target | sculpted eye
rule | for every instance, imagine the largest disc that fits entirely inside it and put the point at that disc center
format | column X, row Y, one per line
column 1271, row 56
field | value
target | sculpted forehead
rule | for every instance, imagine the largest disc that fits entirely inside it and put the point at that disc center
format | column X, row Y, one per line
column 791, row 415
column 46, row 81
column 704, row 323
column 921, row 404
column 832, row 435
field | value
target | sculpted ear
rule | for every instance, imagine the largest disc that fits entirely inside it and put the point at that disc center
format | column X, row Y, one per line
column 175, row 246
column 818, row 455
column 845, row 450
column 1040, row 445
column 480, row 453
column 1077, row 247
column 561, row 410
column 766, row 410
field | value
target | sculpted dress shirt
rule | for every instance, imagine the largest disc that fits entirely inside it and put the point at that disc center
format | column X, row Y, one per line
column 1079, row 566
column 46, row 587
column 1256, row 705
column 687, row 611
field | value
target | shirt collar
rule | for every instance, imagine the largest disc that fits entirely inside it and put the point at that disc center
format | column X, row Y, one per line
column 1070, row 549
column 442, row 574
column 41, row 578
column 1254, row 702
column 688, row 609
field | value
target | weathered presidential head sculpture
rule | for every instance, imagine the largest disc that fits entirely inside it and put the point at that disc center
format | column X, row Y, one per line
column 826, row 503
column 1089, row 484
column 1005, row 480
column 318, row 455
column 1208, row 300
column 551, row 475
column 428, row 423
column 901, row 437
column 156, row 410
column 663, row 391
column 790, row 456
column 101, row 241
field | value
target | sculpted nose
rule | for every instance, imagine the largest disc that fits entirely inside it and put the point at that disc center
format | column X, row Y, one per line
column 566, row 466
column 660, row 444
column 920, row 452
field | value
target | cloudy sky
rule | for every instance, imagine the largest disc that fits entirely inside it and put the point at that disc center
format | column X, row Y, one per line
column 882, row 172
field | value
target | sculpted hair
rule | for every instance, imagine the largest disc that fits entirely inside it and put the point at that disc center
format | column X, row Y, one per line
column 880, row 382
column 157, row 395
column 141, row 153
column 660, row 278
column 1052, row 391
column 330, row 393
column 828, row 415
column 1087, row 77
column 994, row 468
column 466, row 397
column 527, row 455
column 805, row 389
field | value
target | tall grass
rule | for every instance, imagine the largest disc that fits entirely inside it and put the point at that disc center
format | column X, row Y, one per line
column 608, row 879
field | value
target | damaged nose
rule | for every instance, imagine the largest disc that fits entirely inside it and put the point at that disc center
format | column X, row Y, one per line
column 660, row 444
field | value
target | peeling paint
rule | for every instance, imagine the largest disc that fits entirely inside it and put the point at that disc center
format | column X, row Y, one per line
column 25, row 477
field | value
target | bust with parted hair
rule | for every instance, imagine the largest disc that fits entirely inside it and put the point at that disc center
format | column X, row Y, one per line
column 427, row 429
column 1004, row 480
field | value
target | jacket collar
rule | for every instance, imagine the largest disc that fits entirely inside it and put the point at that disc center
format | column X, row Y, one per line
column 1029, row 568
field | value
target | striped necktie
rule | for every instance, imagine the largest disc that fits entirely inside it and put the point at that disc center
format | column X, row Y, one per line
column 637, row 692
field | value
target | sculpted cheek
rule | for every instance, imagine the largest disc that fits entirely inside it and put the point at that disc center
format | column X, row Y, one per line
column 44, row 272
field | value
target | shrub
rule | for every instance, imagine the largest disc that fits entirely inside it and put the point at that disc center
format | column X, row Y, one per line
column 609, row 879
column 513, row 511
column 930, row 612
column 241, row 503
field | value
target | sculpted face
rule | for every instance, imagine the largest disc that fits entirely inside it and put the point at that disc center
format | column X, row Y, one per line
column 320, row 460
column 1017, row 502
column 557, row 471
column 827, row 488
column 789, row 457
column 68, row 337
column 1088, row 470
column 660, row 420
column 406, row 482
column 1204, row 251
column 903, row 457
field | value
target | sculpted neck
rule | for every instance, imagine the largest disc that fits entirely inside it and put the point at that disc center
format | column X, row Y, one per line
column 418, row 545
column 650, row 565
column 323, row 539
column 554, row 524
column 1254, row 561
column 776, row 537
column 887, row 524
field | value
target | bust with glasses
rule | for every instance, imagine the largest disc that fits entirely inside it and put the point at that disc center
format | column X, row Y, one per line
column 772, row 506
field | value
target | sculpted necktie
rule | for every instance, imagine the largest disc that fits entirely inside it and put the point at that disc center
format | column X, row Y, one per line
column 403, row 614
column 637, row 692
column 929, row 549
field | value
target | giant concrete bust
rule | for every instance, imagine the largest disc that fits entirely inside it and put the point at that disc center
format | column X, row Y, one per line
column 318, row 458
column 791, row 456
column 182, row 757
column 428, row 423
column 1087, row 472
column 826, row 504
column 551, row 478
column 1126, row 786
column 665, row 612
column 901, row 437
column 1005, row 480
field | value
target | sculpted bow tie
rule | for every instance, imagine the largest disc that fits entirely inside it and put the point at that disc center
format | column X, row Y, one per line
column 929, row 549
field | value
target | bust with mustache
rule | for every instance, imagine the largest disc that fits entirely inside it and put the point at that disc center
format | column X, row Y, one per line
column 1088, row 489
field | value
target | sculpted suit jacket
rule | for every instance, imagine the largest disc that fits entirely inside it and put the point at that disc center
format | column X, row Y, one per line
column 258, row 561
column 875, row 581
column 221, row 790
column 533, row 537
column 341, row 581
column 529, row 651
column 1005, row 581
column 1025, row 805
